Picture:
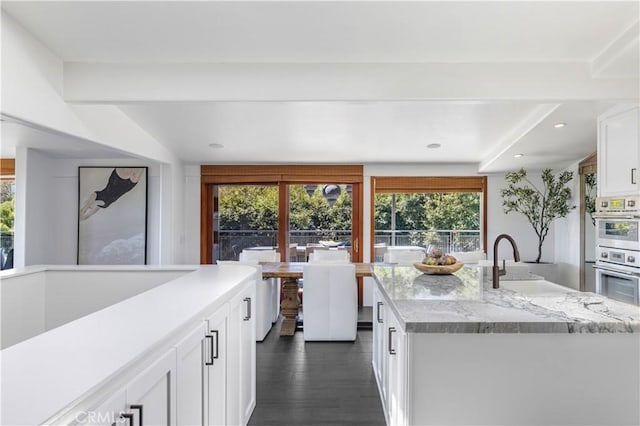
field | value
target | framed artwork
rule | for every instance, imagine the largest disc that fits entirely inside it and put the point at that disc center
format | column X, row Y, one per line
column 112, row 215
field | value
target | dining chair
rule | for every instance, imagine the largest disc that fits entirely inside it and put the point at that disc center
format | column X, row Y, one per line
column 404, row 256
column 469, row 256
column 378, row 252
column 341, row 256
column 330, row 310
column 267, row 290
column 312, row 247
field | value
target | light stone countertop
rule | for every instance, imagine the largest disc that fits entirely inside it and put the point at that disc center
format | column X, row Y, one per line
column 466, row 303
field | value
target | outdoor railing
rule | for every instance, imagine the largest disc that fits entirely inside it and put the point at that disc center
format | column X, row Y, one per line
column 229, row 243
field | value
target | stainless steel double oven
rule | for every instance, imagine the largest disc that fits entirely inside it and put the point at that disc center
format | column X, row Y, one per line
column 618, row 248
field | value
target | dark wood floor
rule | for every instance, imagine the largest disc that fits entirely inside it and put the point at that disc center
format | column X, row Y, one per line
column 316, row 383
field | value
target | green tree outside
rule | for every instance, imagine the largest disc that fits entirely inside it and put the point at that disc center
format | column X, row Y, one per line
column 7, row 206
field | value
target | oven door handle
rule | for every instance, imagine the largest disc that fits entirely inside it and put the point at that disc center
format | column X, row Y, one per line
column 618, row 273
column 614, row 216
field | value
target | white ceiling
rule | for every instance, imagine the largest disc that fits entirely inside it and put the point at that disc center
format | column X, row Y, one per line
column 16, row 133
column 602, row 36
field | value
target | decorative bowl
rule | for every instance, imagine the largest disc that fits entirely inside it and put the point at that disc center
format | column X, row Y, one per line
column 438, row 269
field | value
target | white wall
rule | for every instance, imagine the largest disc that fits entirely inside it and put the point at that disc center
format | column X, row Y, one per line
column 32, row 82
column 32, row 91
column 567, row 242
column 39, row 204
column 514, row 224
column 191, row 252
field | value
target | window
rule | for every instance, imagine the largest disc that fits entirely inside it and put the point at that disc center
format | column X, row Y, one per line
column 7, row 211
column 444, row 212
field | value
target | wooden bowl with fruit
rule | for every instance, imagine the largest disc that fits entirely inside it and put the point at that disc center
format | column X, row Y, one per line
column 439, row 264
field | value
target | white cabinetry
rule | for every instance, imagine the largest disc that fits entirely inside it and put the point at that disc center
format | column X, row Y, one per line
column 241, row 361
column 148, row 399
column 216, row 368
column 618, row 151
column 390, row 361
column 189, row 386
column 397, row 372
column 207, row 378
column 151, row 396
column 379, row 358
column 107, row 413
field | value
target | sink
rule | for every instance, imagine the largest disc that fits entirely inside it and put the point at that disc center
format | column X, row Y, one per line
column 535, row 287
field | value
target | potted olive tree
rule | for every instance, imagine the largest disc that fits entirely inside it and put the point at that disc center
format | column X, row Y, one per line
column 539, row 205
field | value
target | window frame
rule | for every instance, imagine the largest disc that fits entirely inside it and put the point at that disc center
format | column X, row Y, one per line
column 422, row 184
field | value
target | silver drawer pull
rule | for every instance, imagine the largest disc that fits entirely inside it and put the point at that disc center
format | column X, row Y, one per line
column 391, row 331
column 378, row 313
column 248, row 300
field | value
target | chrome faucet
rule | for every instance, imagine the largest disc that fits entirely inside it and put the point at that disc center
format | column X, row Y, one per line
column 497, row 272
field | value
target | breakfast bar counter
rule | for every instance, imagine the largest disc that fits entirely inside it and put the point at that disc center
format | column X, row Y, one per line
column 464, row 302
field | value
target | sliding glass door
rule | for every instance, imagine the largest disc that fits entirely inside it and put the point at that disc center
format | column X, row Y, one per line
column 320, row 218
column 245, row 217
column 290, row 208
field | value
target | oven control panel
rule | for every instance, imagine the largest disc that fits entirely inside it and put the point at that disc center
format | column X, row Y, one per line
column 629, row 205
column 628, row 258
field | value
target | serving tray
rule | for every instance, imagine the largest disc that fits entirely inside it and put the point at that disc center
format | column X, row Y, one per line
column 438, row 269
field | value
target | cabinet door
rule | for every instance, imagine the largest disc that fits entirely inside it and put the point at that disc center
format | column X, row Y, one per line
column 241, row 364
column 248, row 356
column 618, row 152
column 106, row 414
column 216, row 372
column 151, row 396
column 379, row 341
column 397, row 375
column 190, row 373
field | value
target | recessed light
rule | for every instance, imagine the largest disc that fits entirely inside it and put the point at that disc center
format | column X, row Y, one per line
column 559, row 124
column 434, row 145
column 216, row 146
column 518, row 155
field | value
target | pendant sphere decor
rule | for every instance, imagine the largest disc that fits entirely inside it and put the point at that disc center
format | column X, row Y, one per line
column 331, row 193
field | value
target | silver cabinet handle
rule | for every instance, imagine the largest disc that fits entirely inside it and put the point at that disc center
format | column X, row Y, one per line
column 215, row 354
column 210, row 360
column 633, row 176
column 391, row 331
column 128, row 417
column 378, row 312
column 139, row 408
column 248, row 300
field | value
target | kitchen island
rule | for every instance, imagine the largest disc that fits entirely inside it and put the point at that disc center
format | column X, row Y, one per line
column 450, row 349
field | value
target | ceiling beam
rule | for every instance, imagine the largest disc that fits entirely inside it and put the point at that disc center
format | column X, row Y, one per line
column 123, row 83
column 623, row 48
column 517, row 132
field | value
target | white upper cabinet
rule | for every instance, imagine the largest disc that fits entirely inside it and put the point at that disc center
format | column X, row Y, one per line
column 618, row 151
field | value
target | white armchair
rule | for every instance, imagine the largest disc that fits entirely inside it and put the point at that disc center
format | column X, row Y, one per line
column 330, row 309
column 404, row 256
column 267, row 291
column 340, row 256
column 469, row 256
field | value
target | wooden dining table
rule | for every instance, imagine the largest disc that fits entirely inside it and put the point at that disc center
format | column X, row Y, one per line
column 290, row 273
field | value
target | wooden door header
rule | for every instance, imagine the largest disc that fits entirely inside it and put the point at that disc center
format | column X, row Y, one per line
column 214, row 174
column 388, row 184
